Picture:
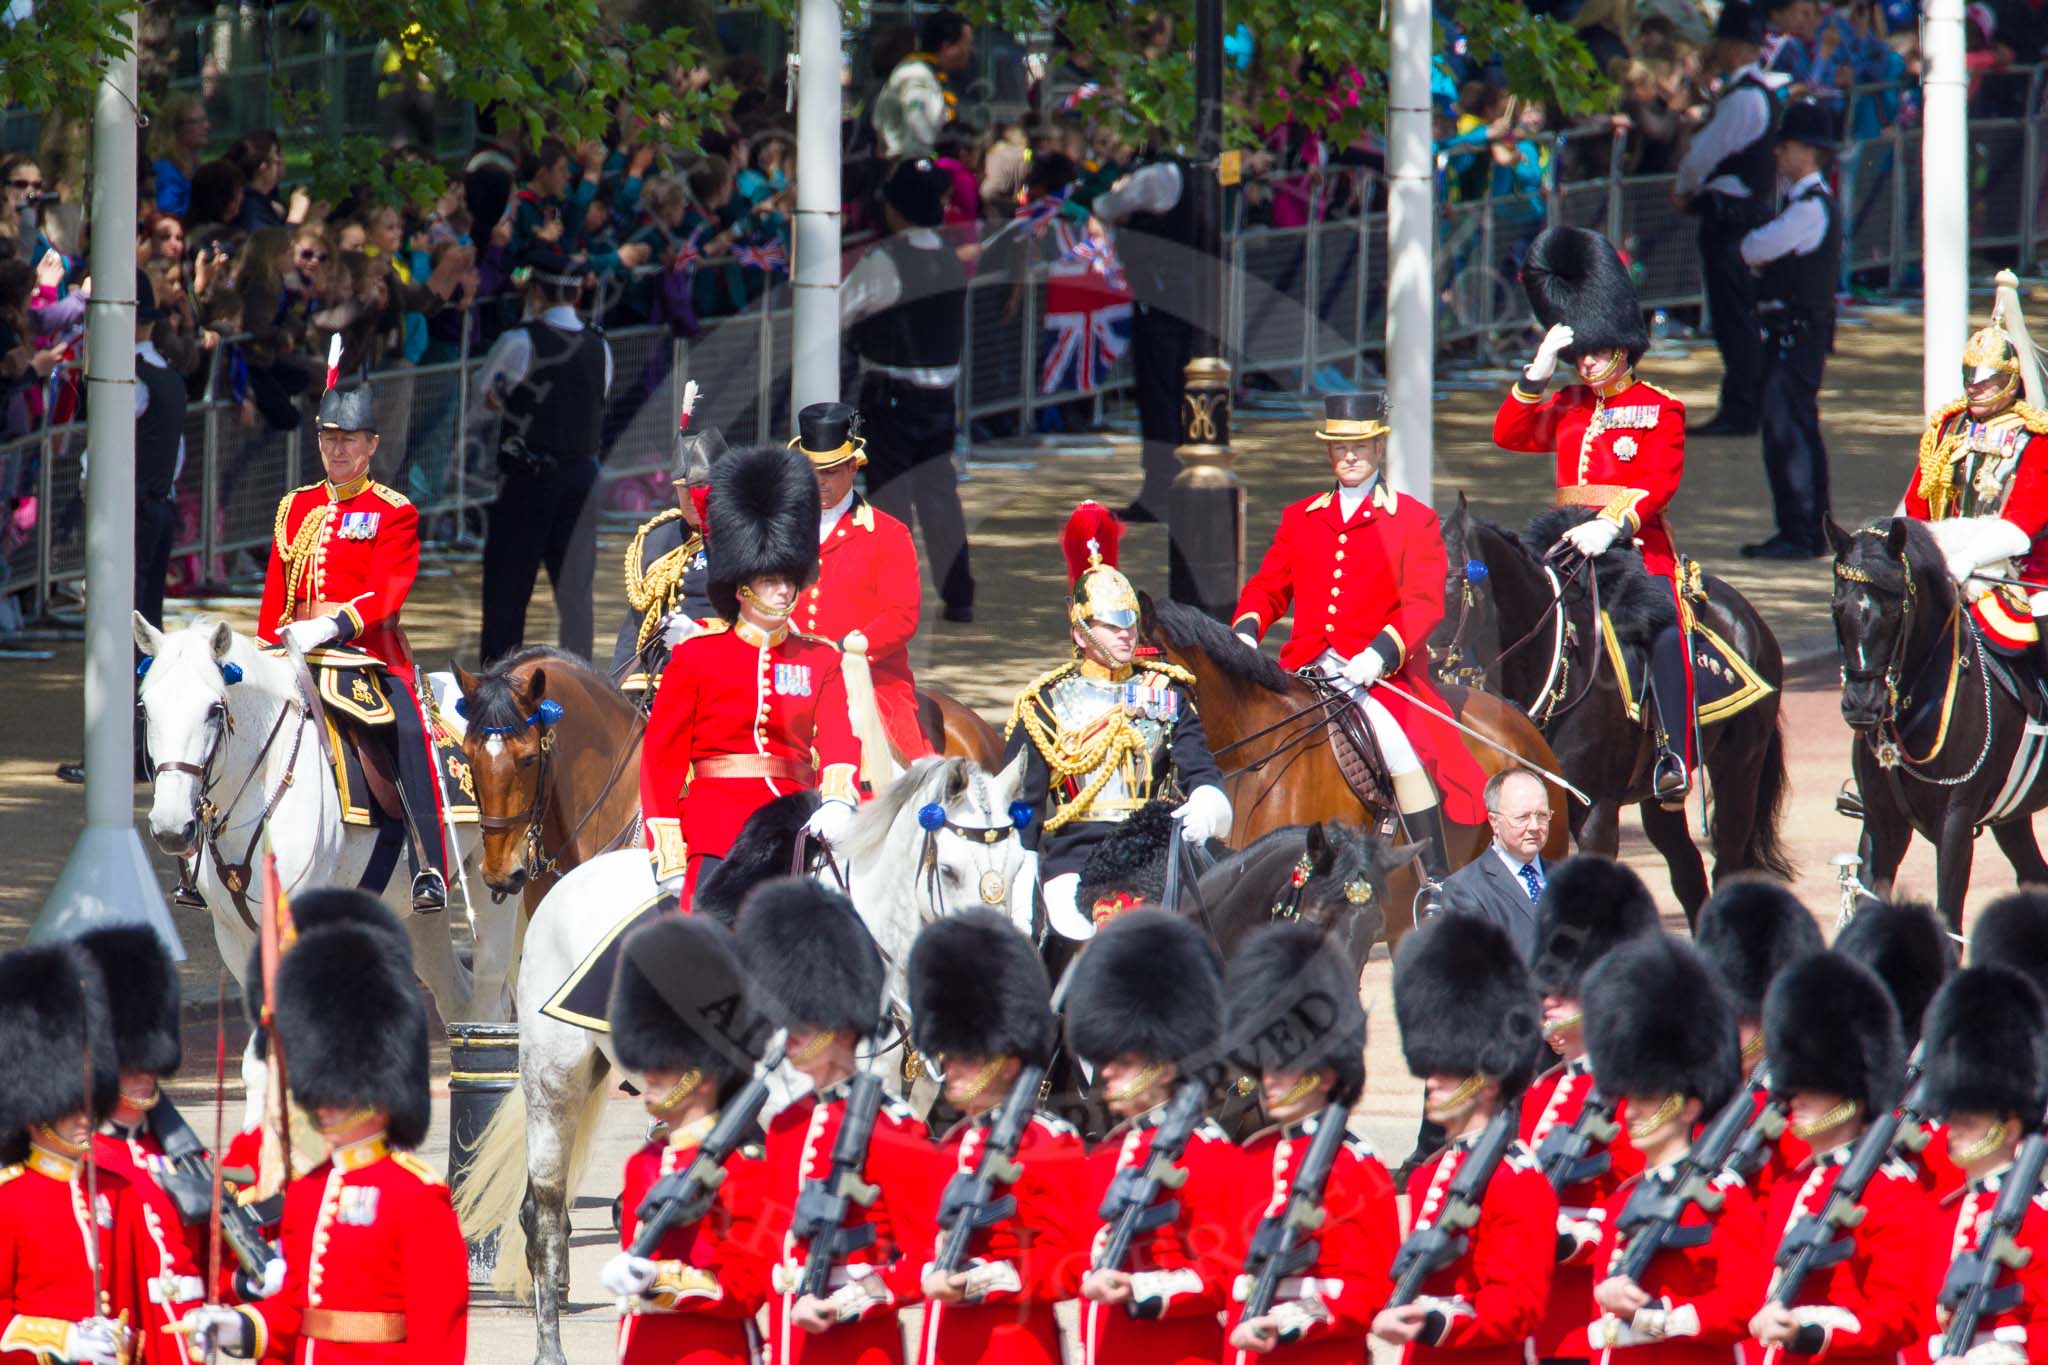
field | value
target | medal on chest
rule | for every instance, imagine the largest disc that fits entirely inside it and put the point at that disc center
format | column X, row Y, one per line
column 358, row 1206
column 358, row 526
column 792, row 680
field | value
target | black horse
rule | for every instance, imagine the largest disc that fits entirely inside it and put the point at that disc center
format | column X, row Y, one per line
column 1500, row 630
column 1942, row 747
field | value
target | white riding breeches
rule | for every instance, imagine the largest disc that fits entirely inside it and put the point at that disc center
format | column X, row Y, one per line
column 1394, row 746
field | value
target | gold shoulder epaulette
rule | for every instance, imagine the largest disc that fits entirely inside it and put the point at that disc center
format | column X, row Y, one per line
column 2034, row 418
column 713, row 625
column 13, row 1172
column 1933, row 458
column 390, row 495
column 1029, row 694
column 408, row 1162
column 1171, row 670
column 832, row 645
column 1663, row 392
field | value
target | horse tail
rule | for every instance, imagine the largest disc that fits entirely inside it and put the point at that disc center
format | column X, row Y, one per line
column 1763, row 850
column 490, row 1197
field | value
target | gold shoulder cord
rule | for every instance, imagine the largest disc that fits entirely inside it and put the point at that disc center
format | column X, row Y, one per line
column 656, row 586
column 1936, row 452
column 1109, row 745
column 299, row 552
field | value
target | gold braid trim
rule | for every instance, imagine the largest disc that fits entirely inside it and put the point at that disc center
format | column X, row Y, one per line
column 299, row 552
column 1935, row 454
column 1113, row 741
column 651, row 593
column 1173, row 671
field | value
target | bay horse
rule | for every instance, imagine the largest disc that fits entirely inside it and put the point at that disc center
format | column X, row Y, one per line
column 1558, row 673
column 1942, row 745
column 1270, row 736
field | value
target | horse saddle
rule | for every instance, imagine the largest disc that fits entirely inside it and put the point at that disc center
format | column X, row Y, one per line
column 1724, row 683
column 356, row 692
column 583, row 998
column 1352, row 745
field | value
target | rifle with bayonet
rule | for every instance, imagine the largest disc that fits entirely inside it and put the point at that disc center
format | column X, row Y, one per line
column 1430, row 1249
column 1284, row 1244
column 1570, row 1153
column 683, row 1197
column 1137, row 1200
column 1972, row 1291
column 1655, row 1211
column 971, row 1202
column 824, row 1202
column 190, row 1184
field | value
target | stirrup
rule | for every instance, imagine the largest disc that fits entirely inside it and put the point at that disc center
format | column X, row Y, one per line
column 1429, row 899
column 1670, row 781
column 186, row 896
column 429, row 892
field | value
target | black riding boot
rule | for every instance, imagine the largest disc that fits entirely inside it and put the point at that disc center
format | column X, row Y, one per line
column 416, row 788
column 1671, row 778
column 1427, row 827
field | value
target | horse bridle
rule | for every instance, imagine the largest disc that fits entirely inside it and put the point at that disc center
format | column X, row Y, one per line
column 1358, row 892
column 1551, row 701
column 1890, row 751
column 992, row 889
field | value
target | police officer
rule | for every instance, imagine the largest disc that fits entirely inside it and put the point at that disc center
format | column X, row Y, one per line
column 901, row 306
column 548, row 377
column 1797, row 257
column 1726, row 179
column 666, row 593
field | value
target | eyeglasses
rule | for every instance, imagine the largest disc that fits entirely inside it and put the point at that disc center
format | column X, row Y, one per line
column 1540, row 817
column 32, row 186
column 315, row 256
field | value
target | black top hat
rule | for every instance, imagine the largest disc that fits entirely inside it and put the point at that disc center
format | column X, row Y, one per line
column 1740, row 22
column 1806, row 121
column 825, row 434
column 917, row 190
column 1354, row 416
column 978, row 990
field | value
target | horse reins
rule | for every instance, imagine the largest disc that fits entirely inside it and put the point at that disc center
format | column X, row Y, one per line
column 539, row 862
column 1893, row 746
column 213, row 817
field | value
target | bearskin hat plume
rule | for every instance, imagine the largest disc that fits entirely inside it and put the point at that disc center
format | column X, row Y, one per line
column 1294, row 1007
column 354, row 1027
column 978, row 989
column 1150, row 984
column 813, row 963
column 1748, row 930
column 1589, row 906
column 1465, row 1003
column 1640, row 1044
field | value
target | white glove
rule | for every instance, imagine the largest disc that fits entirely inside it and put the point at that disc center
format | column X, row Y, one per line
column 213, row 1328
column 628, row 1276
column 677, row 628
column 1205, row 815
column 1366, row 667
column 1556, row 342
column 1593, row 538
column 310, row 635
column 830, row 822
column 1249, row 642
column 273, row 1279
column 1969, row 544
column 96, row 1341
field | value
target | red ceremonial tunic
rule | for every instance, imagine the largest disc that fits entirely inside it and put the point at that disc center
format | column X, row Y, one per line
column 1377, row 578
column 1873, row 1304
column 1971, row 445
column 1708, row 1292
column 47, row 1239
column 1355, row 1246
column 2023, row 1328
column 1031, row 1255
column 1181, row 1272
column 713, row 1274
column 1491, row 1298
column 746, row 718
column 1555, row 1101
column 899, row 1164
column 1623, row 454
column 165, row 1256
column 368, row 1234
column 353, row 550
column 867, row 581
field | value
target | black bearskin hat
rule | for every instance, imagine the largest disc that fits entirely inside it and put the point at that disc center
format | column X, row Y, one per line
column 1906, row 946
column 1151, row 984
column 1574, row 275
column 1465, row 1003
column 1658, row 1023
column 1987, row 1046
column 1128, row 862
column 813, row 963
column 53, row 1006
column 762, row 519
column 321, row 907
column 1830, row 1026
column 2013, row 932
column 142, row 992
column 679, row 1001
column 354, row 1028
column 977, row 989
column 1294, row 1007
column 1590, row 905
column 1748, row 930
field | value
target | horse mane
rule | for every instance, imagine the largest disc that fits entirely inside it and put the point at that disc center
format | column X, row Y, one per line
column 1185, row 627
column 927, row 779
column 496, row 703
column 1638, row 603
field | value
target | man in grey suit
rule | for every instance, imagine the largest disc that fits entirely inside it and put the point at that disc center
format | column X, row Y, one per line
column 1504, row 883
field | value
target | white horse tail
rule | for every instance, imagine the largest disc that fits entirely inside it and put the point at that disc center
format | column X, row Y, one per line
column 490, row 1197
column 878, row 761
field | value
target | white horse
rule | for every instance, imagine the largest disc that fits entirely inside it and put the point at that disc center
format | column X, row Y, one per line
column 906, row 866
column 227, row 752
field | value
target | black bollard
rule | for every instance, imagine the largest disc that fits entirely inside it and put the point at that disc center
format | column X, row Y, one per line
column 483, row 1067
column 1205, row 510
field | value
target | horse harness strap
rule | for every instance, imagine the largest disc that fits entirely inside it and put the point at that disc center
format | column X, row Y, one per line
column 1354, row 747
column 237, row 877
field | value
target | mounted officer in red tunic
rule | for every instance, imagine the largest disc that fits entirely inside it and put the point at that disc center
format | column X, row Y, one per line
column 744, row 705
column 1619, row 442
column 1982, row 478
column 345, row 553
column 1364, row 569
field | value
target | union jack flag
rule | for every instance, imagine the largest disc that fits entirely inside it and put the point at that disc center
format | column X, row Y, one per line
column 768, row 256
column 689, row 253
column 1032, row 217
column 1080, row 348
column 1100, row 257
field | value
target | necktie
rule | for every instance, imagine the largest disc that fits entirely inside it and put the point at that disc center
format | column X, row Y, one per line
column 1529, row 880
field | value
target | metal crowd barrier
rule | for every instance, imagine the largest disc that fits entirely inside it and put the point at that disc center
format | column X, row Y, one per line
column 1301, row 299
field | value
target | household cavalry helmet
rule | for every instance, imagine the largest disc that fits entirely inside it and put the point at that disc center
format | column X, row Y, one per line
column 2005, row 348
column 1100, row 592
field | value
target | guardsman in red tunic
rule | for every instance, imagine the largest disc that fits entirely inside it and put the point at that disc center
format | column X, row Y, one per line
column 981, row 1011
column 375, row 1268
column 1619, row 442
column 867, row 574
column 1908, row 948
column 757, row 710
column 680, row 1025
column 1363, row 567
column 1674, row 1069
column 1981, row 482
column 1832, row 1034
column 1749, row 930
column 818, row 974
column 1295, row 1016
column 1590, row 907
column 1146, row 1001
column 59, row 1214
column 1470, row 1021
column 1987, row 1076
column 343, row 557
